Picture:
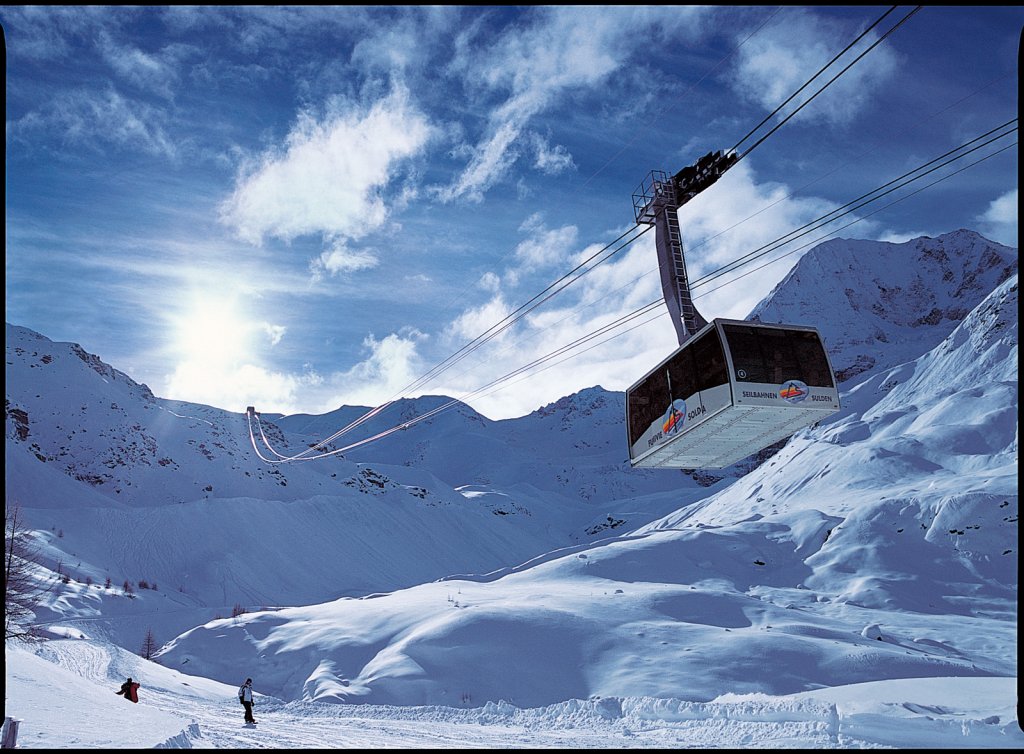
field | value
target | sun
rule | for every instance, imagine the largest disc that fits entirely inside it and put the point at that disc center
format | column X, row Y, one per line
column 213, row 332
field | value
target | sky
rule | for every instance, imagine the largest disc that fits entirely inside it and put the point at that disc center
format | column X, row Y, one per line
column 300, row 208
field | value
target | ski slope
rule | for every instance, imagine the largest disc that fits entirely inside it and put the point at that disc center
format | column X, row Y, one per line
column 63, row 697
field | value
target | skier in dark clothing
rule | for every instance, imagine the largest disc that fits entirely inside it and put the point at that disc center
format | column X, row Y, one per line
column 245, row 697
column 129, row 690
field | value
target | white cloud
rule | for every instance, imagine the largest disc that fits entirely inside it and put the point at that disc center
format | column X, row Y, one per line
column 570, row 48
column 478, row 320
column 781, row 58
column 551, row 160
column 1003, row 209
column 392, row 364
column 406, row 41
column 340, row 259
column 234, row 386
column 51, row 32
column 274, row 332
column 545, row 247
column 330, row 176
column 88, row 119
column 490, row 282
column 999, row 221
column 614, row 359
column 902, row 236
column 138, row 67
column 490, row 160
column 609, row 292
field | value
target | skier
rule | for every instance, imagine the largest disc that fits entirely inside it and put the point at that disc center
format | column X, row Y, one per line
column 129, row 690
column 245, row 697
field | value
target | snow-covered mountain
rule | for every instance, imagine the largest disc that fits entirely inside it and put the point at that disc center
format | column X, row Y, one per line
column 881, row 530
column 890, row 532
column 135, row 487
column 879, row 304
column 173, row 493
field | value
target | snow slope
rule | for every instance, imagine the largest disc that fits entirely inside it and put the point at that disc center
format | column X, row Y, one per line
column 63, row 701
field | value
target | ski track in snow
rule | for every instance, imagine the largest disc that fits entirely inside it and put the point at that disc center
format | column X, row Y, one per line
column 308, row 725
column 646, row 723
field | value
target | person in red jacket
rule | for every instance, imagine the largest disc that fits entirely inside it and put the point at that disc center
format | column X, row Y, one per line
column 129, row 690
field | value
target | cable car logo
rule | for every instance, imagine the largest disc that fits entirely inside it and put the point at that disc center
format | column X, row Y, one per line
column 674, row 417
column 793, row 391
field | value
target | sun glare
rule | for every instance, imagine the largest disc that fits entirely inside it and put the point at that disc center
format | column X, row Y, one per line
column 214, row 333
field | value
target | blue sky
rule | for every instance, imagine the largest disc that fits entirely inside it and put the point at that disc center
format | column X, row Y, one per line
column 303, row 207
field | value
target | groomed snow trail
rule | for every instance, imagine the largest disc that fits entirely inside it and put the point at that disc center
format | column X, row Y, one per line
column 62, row 692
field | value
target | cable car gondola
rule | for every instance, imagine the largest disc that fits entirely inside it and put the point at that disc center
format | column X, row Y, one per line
column 732, row 387
column 731, row 390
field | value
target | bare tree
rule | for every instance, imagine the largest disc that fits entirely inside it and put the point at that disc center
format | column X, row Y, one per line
column 23, row 589
column 149, row 645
